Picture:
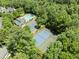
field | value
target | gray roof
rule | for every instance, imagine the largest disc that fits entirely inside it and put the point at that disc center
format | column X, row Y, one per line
column 1, row 26
column 4, row 53
column 19, row 22
column 7, row 10
column 2, row 9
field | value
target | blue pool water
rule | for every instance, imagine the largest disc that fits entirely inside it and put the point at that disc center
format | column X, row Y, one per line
column 41, row 36
column 28, row 17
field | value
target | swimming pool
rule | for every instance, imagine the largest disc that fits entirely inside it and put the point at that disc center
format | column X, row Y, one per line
column 28, row 17
column 21, row 20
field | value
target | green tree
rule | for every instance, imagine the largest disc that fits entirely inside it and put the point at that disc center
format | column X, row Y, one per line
column 20, row 40
column 66, row 55
column 7, row 21
column 53, row 51
column 58, row 19
column 69, row 47
column 20, row 56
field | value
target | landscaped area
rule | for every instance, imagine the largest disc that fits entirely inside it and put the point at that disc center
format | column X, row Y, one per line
column 39, row 35
column 39, row 29
column 42, row 36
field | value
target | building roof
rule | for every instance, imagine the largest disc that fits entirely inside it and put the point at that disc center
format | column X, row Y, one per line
column 7, row 10
column 1, row 22
column 2, row 9
column 19, row 22
column 4, row 53
column 22, row 20
column 10, row 9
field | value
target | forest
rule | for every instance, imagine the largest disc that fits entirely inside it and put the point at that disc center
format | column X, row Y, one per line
column 61, row 17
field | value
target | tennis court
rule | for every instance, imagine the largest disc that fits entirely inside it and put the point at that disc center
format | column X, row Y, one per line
column 41, row 36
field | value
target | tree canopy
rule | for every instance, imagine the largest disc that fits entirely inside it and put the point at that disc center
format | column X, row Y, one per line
column 61, row 17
